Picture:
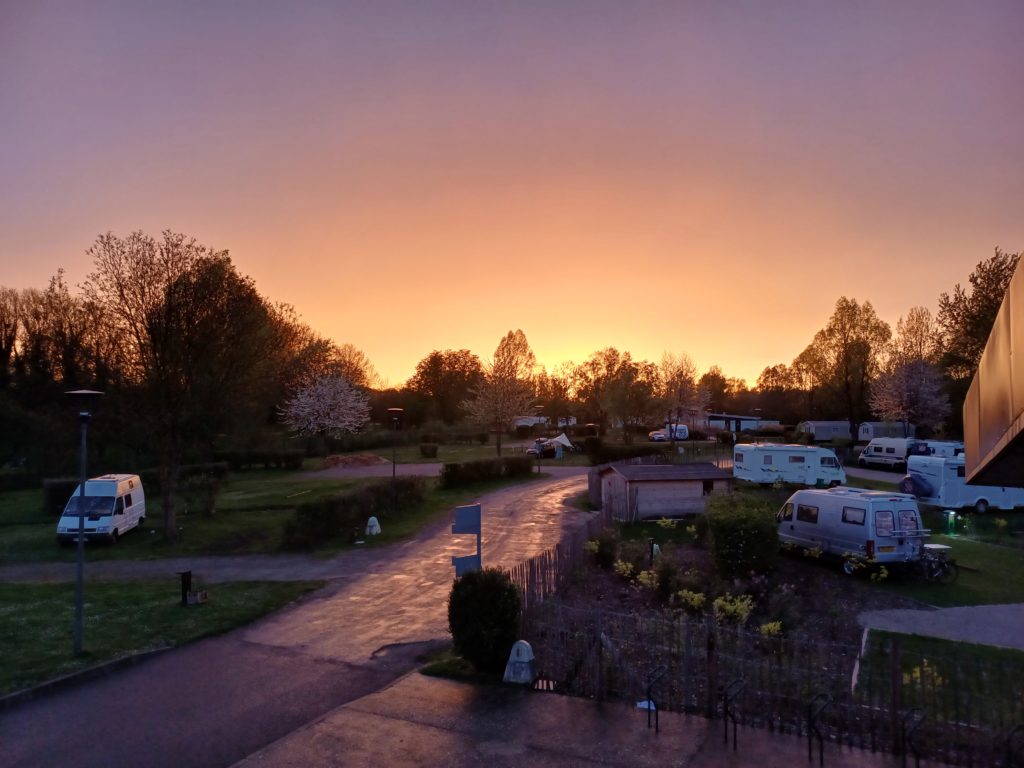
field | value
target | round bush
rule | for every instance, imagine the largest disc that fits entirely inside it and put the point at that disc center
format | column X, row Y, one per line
column 483, row 617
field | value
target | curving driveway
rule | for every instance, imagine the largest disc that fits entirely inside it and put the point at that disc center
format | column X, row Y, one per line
column 214, row 702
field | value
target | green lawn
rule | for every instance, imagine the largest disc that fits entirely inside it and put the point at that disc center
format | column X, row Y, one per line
column 120, row 619
column 251, row 512
column 989, row 574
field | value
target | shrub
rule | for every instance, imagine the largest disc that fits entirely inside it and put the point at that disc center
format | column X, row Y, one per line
column 456, row 475
column 698, row 434
column 317, row 522
column 725, row 438
column 647, row 579
column 483, row 438
column 692, row 602
column 606, row 545
column 483, row 617
column 733, row 610
column 742, row 535
column 428, row 450
column 624, row 569
column 668, row 577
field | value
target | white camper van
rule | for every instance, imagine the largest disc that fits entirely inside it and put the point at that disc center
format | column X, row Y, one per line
column 893, row 452
column 111, row 505
column 855, row 524
column 940, row 480
column 766, row 463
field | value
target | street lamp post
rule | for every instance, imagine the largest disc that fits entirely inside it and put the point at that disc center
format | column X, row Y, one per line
column 83, row 398
column 396, row 414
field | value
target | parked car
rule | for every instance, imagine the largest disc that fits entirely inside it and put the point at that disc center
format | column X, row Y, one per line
column 657, row 436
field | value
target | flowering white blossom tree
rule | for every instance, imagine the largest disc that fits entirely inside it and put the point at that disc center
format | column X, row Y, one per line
column 911, row 393
column 329, row 405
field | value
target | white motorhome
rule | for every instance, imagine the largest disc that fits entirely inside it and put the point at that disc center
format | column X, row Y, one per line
column 893, row 452
column 766, row 463
column 110, row 506
column 940, row 480
column 854, row 524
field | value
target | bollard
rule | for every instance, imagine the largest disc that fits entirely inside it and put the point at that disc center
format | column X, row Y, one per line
column 186, row 586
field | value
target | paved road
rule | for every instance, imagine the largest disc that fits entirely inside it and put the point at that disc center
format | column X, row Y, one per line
column 219, row 700
column 879, row 475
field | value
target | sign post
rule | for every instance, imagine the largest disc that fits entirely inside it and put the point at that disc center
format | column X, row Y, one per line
column 468, row 520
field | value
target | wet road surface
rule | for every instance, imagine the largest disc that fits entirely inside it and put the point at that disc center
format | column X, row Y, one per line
column 216, row 701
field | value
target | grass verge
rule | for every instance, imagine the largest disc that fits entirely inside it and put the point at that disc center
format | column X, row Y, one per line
column 120, row 619
column 989, row 575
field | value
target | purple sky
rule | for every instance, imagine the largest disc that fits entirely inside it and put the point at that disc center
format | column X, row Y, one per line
column 689, row 177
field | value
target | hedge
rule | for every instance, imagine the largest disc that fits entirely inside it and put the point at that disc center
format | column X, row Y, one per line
column 742, row 535
column 267, row 459
column 317, row 522
column 457, row 475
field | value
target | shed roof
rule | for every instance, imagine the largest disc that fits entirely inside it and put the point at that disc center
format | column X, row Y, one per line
column 699, row 470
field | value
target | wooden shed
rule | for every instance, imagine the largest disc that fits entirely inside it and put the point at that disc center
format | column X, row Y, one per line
column 633, row 492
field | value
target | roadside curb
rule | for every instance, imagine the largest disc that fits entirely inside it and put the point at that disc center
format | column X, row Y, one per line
column 17, row 698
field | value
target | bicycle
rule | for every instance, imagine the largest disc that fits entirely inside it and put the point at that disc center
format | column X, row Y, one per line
column 936, row 566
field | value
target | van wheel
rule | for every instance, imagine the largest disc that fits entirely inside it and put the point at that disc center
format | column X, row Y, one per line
column 849, row 567
column 981, row 506
column 834, row 484
column 113, row 537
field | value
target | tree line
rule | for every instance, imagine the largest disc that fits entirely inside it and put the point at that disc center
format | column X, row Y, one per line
column 191, row 356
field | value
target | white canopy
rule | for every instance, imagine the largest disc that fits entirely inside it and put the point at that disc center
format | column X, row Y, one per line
column 560, row 440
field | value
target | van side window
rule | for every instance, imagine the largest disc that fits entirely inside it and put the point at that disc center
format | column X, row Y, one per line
column 853, row 515
column 786, row 513
column 119, row 506
column 828, row 461
column 739, row 458
column 908, row 520
column 883, row 522
column 806, row 513
column 890, row 450
column 796, row 459
column 767, row 460
column 960, row 472
column 127, row 499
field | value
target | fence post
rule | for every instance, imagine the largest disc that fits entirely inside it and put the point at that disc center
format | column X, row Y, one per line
column 895, row 692
column 712, row 669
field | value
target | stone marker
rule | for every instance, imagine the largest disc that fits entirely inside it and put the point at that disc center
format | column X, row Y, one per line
column 372, row 527
column 520, row 664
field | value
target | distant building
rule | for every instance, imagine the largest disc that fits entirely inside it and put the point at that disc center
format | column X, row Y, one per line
column 633, row 492
column 821, row 431
column 530, row 421
column 869, row 430
column 731, row 422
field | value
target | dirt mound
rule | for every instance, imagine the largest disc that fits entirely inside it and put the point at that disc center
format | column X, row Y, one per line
column 353, row 460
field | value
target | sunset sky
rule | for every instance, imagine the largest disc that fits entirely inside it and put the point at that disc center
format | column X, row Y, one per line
column 699, row 177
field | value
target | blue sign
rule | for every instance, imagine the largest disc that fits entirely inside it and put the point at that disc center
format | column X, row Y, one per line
column 467, row 519
column 466, row 564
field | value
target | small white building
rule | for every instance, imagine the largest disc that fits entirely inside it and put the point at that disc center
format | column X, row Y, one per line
column 869, row 430
column 632, row 492
column 825, row 430
column 530, row 421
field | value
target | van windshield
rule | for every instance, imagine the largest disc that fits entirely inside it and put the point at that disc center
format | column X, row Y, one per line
column 89, row 505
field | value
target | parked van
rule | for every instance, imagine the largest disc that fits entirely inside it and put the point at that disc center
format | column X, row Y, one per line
column 768, row 462
column 940, row 480
column 893, row 452
column 854, row 524
column 111, row 505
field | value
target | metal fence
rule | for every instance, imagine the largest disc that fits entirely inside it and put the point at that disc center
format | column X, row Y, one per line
column 880, row 696
column 962, row 711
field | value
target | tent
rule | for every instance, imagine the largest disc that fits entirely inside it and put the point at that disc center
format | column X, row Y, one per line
column 562, row 440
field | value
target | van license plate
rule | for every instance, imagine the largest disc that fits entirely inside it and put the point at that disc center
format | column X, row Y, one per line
column 887, row 549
